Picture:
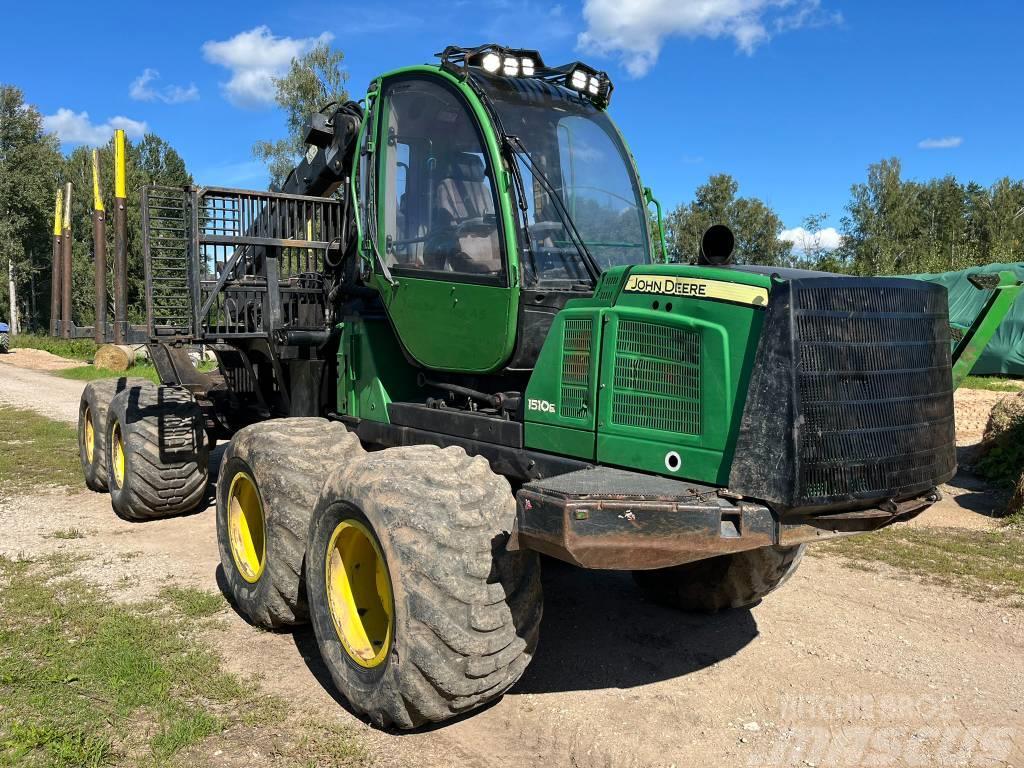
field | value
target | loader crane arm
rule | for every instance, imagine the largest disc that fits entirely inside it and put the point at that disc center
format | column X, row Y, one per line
column 330, row 136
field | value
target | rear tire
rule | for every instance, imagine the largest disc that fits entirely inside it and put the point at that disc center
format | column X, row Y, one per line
column 261, row 532
column 157, row 455
column 92, row 423
column 463, row 612
column 718, row 583
column 5, row 343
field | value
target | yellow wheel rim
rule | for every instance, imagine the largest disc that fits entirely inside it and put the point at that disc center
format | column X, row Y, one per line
column 117, row 454
column 247, row 527
column 359, row 594
column 90, row 435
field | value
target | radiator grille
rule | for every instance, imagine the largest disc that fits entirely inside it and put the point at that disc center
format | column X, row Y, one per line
column 657, row 378
column 577, row 342
column 874, row 393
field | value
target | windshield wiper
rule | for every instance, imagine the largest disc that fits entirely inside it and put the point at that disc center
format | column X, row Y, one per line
column 593, row 268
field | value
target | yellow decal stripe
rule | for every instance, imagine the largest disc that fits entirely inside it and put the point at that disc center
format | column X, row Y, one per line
column 120, row 187
column 697, row 288
column 58, row 214
column 97, row 198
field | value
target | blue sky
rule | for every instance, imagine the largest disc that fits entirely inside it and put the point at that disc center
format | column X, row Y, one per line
column 794, row 98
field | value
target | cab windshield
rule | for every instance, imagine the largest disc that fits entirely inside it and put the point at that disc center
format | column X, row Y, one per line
column 576, row 153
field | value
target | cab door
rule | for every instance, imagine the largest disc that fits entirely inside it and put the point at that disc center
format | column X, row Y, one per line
column 453, row 296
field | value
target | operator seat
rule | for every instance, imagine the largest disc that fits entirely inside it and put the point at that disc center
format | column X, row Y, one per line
column 464, row 194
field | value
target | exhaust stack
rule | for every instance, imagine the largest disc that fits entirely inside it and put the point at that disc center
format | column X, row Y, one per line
column 716, row 246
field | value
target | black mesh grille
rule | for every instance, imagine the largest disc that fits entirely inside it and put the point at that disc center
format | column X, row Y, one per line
column 873, row 389
column 850, row 401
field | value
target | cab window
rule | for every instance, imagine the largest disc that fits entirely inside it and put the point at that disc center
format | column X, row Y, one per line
column 438, row 198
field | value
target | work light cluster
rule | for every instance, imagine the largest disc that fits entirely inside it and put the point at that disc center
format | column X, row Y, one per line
column 526, row 66
column 510, row 66
column 499, row 61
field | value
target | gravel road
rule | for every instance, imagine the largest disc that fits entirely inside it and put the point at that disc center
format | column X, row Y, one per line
column 841, row 667
column 23, row 385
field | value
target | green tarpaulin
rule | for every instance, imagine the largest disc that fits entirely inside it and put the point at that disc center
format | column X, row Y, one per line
column 1005, row 353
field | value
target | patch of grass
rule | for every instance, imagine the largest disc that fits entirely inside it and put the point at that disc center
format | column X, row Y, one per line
column 67, row 533
column 73, row 349
column 189, row 728
column 983, row 564
column 993, row 383
column 1016, row 520
column 92, row 373
column 143, row 370
column 194, row 603
column 329, row 744
column 85, row 681
column 35, row 450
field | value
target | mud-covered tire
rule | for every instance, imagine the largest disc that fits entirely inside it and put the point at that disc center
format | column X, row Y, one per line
column 165, row 471
column 718, row 583
column 5, row 343
column 288, row 461
column 465, row 611
column 92, row 422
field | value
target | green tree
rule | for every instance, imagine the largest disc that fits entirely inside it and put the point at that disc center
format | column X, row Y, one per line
column 755, row 225
column 313, row 81
column 895, row 226
column 812, row 252
column 29, row 164
column 885, row 222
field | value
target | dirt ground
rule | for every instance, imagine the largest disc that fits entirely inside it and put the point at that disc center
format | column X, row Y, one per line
column 23, row 387
column 38, row 360
column 972, row 409
column 841, row 667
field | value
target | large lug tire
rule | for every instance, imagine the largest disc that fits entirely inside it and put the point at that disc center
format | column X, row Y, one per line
column 270, row 477
column 5, row 343
column 449, row 619
column 92, row 423
column 157, row 456
column 718, row 583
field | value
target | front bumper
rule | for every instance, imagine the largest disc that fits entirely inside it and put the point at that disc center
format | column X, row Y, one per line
column 614, row 519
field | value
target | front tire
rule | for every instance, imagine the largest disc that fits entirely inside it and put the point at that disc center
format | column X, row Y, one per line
column 270, row 477
column 92, row 423
column 449, row 619
column 157, row 457
column 718, row 583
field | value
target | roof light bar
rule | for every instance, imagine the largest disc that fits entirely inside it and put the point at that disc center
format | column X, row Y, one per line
column 499, row 61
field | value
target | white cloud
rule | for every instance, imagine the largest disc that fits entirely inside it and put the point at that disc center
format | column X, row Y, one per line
column 255, row 58
column 804, row 240
column 947, row 142
column 142, row 89
column 76, row 128
column 637, row 29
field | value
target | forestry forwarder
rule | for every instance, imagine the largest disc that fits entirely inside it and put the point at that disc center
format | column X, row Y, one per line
column 445, row 347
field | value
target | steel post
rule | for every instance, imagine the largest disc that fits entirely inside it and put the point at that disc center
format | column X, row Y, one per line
column 65, row 268
column 120, row 240
column 99, row 242
column 55, row 278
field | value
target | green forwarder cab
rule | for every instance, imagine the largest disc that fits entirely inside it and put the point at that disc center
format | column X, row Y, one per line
column 450, row 344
